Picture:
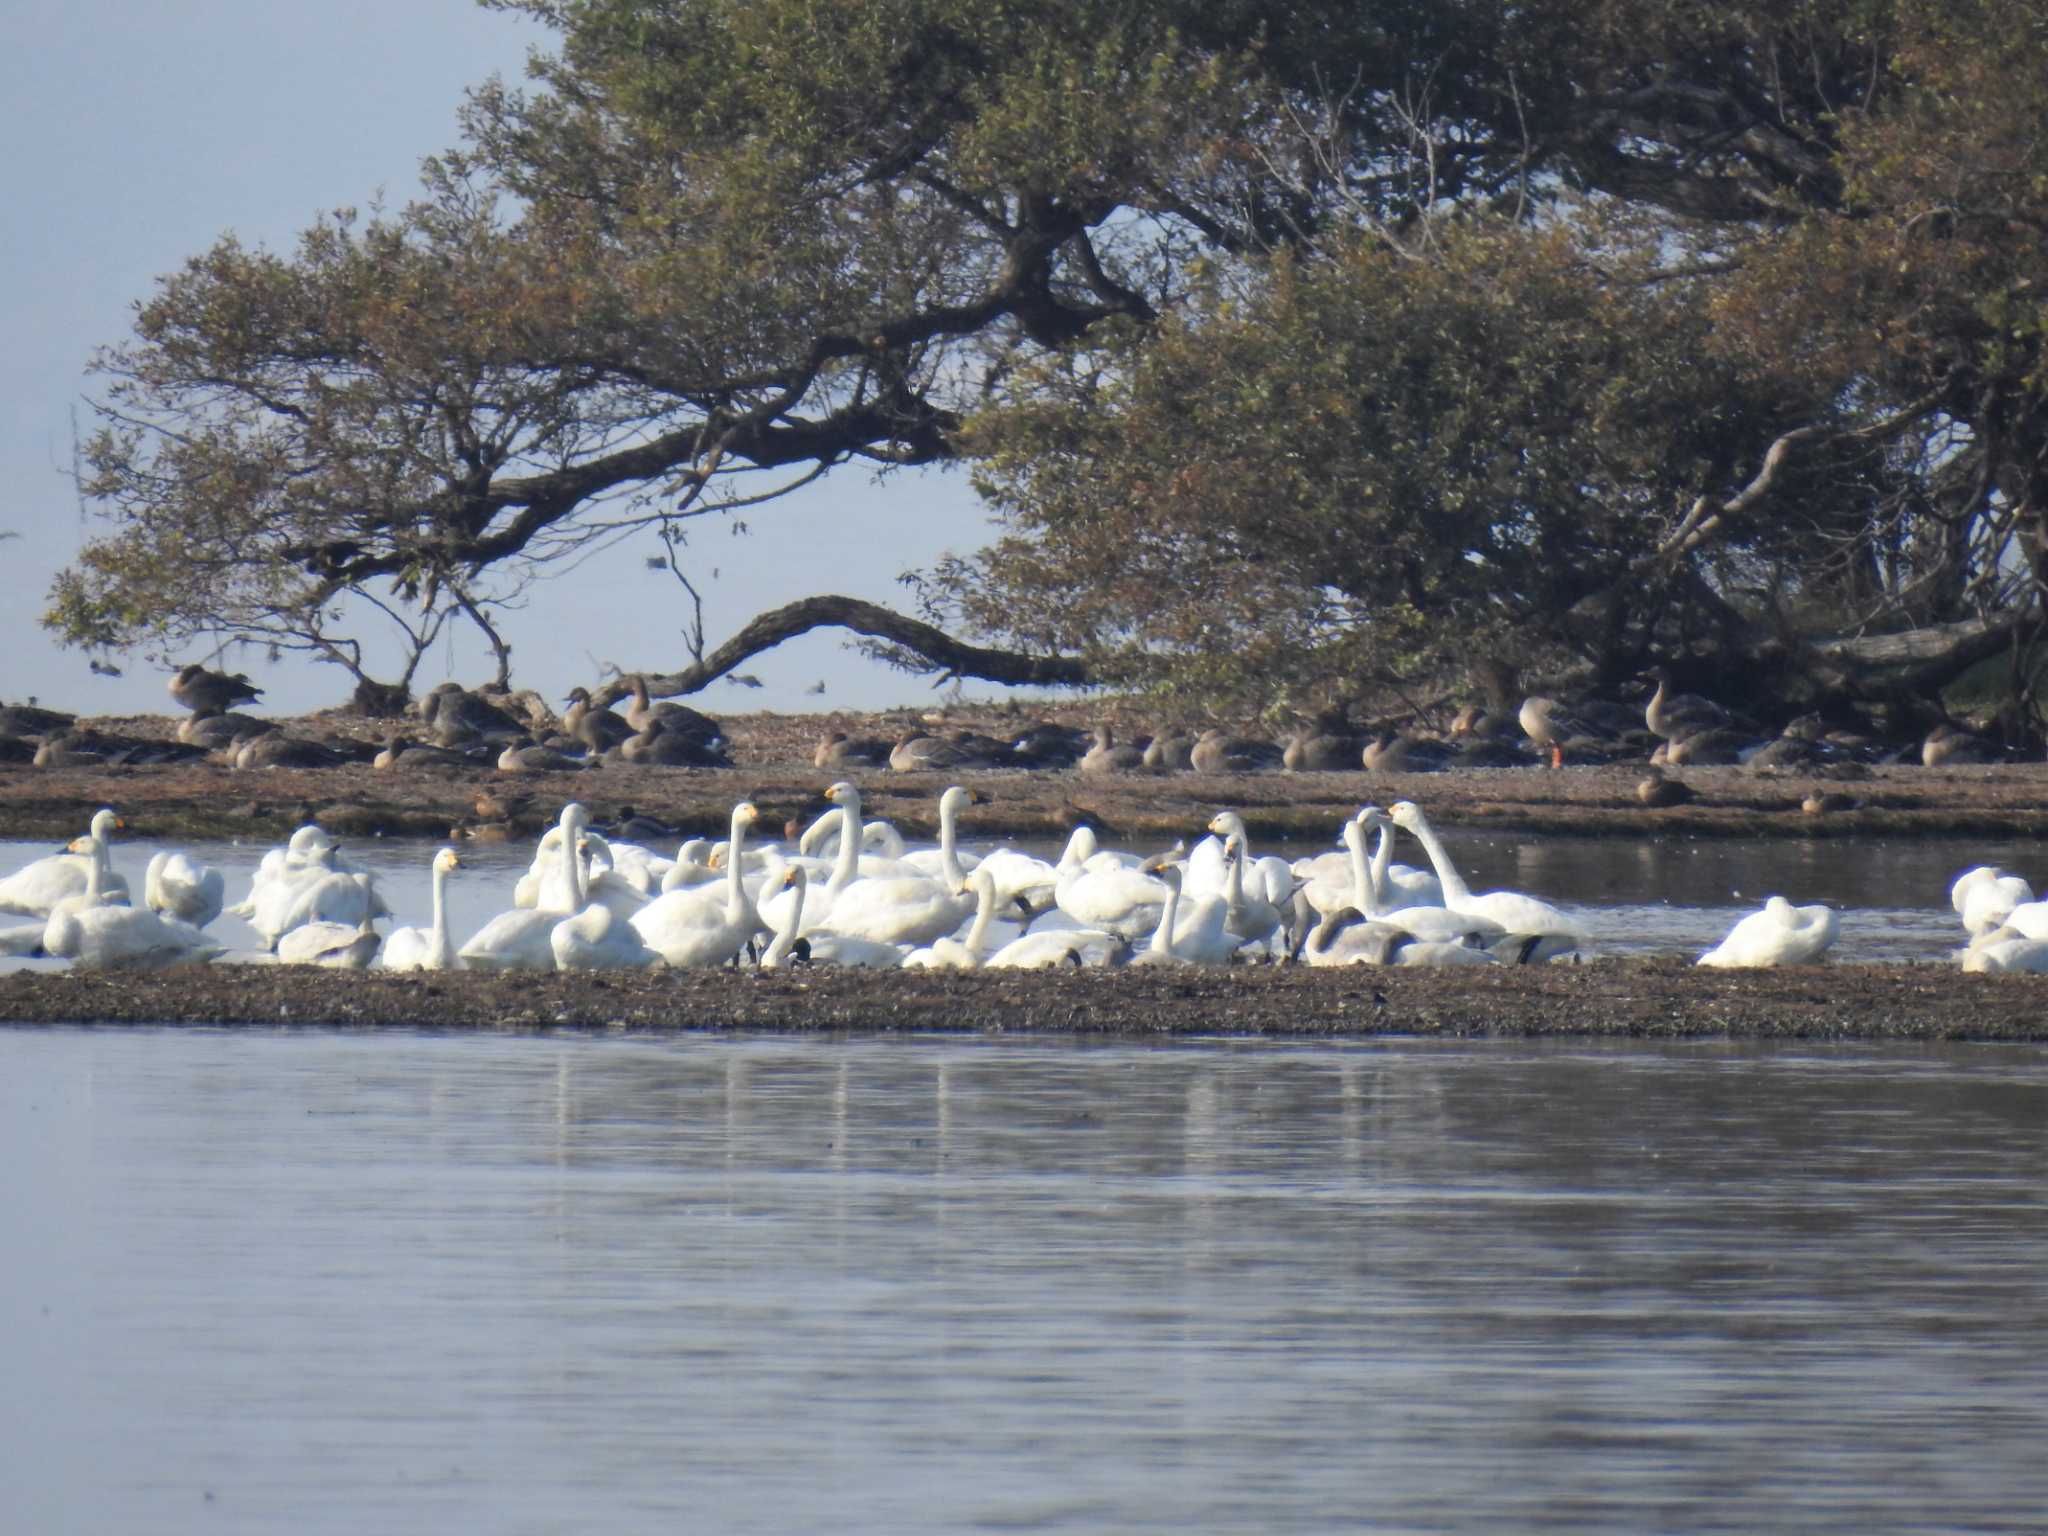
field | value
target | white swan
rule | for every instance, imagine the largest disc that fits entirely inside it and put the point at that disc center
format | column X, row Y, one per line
column 431, row 948
column 1269, row 874
column 705, row 925
column 1520, row 915
column 309, row 849
column 783, row 942
column 1968, row 881
column 178, row 885
column 947, row 863
column 1021, row 880
column 690, row 867
column 119, row 938
column 2004, row 951
column 891, row 909
column 1250, row 912
column 1194, row 937
column 877, row 838
column 348, row 899
column 340, row 946
column 37, row 887
column 598, row 939
column 1781, row 934
column 520, row 940
column 820, row 946
column 964, row 953
column 1989, row 902
column 1425, row 922
column 1350, row 937
column 1098, row 890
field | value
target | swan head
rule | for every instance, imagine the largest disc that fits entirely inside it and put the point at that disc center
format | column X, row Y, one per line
column 843, row 793
column 446, row 860
column 1405, row 814
column 104, row 823
column 744, row 814
column 794, row 878
column 575, row 815
column 1227, row 824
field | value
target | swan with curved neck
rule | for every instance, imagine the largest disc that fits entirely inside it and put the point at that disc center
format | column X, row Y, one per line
column 708, row 924
column 1522, row 916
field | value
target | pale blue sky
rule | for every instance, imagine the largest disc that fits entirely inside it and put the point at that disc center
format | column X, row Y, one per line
column 140, row 131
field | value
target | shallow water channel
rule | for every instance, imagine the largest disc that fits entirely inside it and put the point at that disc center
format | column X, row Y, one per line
column 327, row 1282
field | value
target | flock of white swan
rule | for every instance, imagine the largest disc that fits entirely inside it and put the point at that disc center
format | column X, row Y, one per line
column 589, row 903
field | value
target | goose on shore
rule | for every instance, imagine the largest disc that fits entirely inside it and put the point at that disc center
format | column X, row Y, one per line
column 1107, row 756
column 204, row 691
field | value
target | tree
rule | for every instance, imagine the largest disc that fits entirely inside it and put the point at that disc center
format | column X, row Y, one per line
column 1777, row 253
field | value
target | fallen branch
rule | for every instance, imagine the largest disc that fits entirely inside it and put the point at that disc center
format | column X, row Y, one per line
column 768, row 630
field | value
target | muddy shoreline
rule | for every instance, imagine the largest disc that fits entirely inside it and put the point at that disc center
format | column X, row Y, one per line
column 1653, row 999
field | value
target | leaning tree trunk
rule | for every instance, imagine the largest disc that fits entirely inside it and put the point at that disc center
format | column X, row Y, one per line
column 946, row 654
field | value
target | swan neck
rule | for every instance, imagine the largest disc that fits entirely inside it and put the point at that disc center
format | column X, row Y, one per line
column 735, row 889
column 984, row 914
column 814, row 834
column 849, row 844
column 949, row 855
column 1456, row 892
column 785, row 936
column 1365, row 887
column 1162, row 937
column 440, row 923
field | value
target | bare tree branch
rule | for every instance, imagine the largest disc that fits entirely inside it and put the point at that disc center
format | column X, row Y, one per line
column 768, row 630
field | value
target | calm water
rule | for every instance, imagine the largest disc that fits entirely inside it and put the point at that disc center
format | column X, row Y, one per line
column 1633, row 896
column 321, row 1282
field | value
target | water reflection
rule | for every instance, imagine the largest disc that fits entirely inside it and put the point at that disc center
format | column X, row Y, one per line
column 347, row 1283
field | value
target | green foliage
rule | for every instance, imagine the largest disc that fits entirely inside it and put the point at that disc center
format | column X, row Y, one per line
column 1398, row 333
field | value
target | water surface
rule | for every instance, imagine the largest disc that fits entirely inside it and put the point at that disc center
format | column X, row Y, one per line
column 328, row 1282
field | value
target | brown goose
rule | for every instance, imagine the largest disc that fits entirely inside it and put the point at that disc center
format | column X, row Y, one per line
column 1107, row 757
column 1215, row 751
column 1676, row 715
column 839, row 750
column 208, row 692
column 1170, row 752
